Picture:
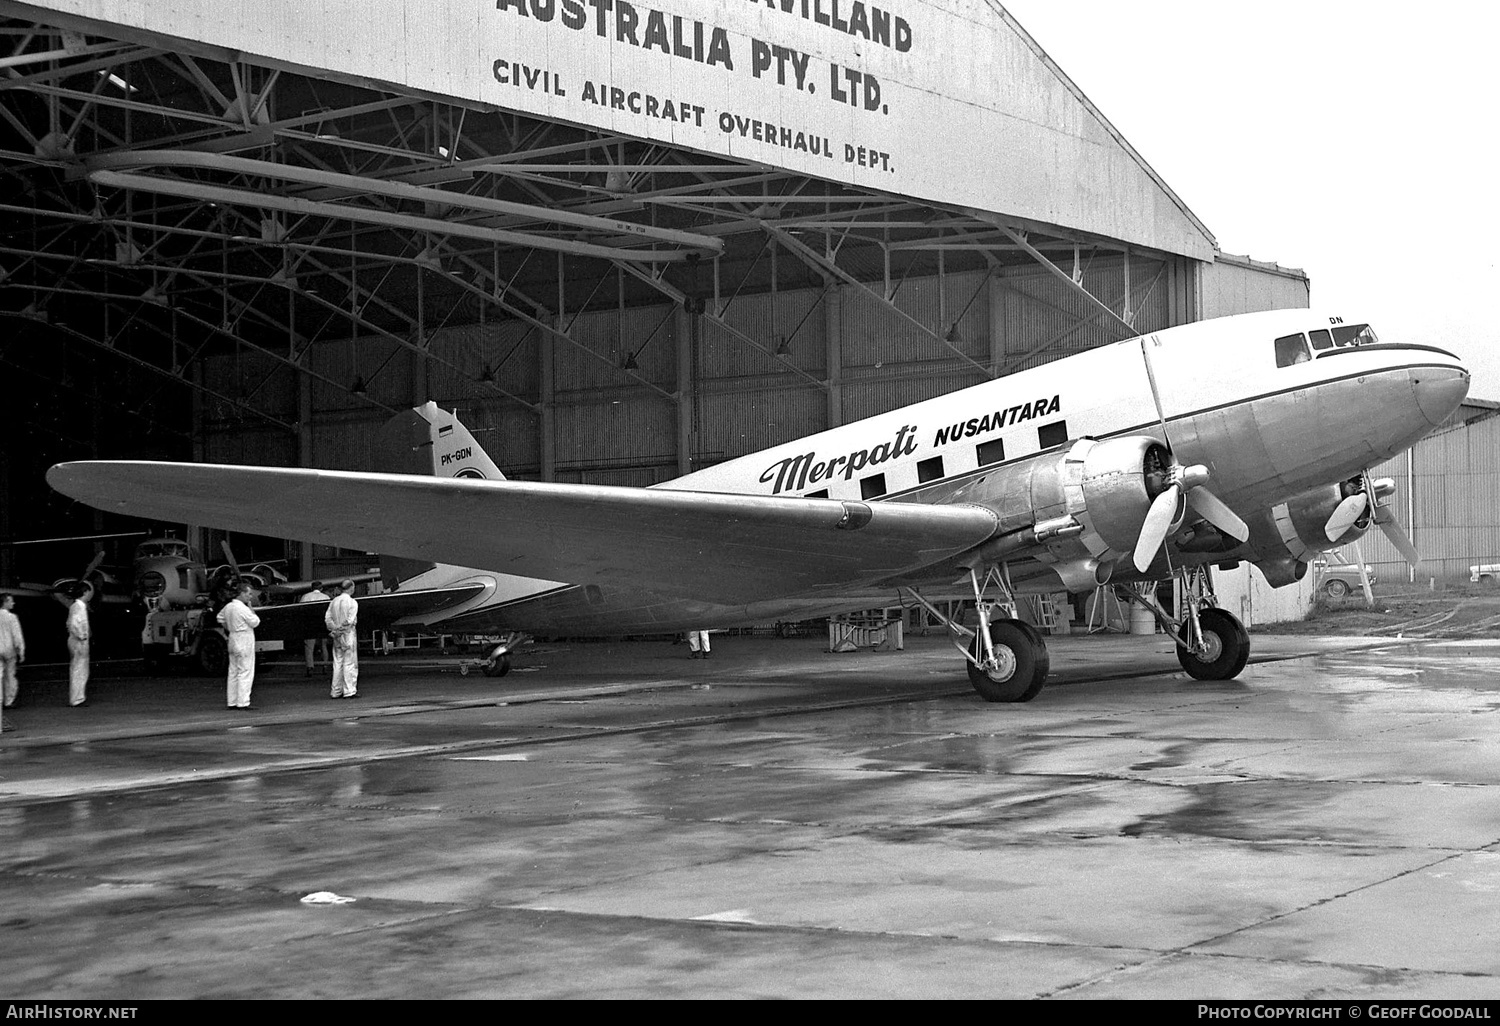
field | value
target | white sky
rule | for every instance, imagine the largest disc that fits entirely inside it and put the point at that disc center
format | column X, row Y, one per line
column 1356, row 141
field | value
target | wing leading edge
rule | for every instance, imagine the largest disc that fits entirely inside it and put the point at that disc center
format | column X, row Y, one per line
column 711, row 546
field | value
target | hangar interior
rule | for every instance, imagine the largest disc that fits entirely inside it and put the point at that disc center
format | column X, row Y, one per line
column 210, row 256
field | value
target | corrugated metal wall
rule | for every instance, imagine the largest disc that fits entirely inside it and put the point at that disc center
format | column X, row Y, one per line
column 1446, row 498
column 610, row 427
column 1235, row 285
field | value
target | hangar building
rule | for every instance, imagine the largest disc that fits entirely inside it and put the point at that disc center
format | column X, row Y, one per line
column 624, row 240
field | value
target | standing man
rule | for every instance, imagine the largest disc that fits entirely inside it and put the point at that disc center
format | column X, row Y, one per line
column 78, row 647
column 342, row 615
column 239, row 622
column 12, row 648
column 311, row 645
column 697, row 644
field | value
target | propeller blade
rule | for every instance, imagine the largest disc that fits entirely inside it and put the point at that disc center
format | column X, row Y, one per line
column 1345, row 514
column 93, row 565
column 1158, row 522
column 1399, row 539
column 1213, row 509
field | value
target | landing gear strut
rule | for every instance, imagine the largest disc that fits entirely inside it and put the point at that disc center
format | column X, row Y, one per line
column 1211, row 644
column 497, row 663
column 1007, row 657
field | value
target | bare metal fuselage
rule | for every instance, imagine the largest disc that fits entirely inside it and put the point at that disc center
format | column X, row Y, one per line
column 1266, row 433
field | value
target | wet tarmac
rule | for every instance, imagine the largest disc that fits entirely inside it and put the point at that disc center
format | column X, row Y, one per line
column 618, row 820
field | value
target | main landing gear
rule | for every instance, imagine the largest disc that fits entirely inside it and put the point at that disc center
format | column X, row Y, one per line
column 1211, row 644
column 1007, row 657
column 1008, row 660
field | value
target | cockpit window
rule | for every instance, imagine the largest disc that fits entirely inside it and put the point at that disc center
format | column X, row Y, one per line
column 1291, row 349
column 1353, row 335
column 1321, row 339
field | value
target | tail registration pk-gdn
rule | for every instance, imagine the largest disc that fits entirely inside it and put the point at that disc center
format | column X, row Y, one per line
column 1242, row 438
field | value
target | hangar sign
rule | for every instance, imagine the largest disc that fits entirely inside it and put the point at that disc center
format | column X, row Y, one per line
column 944, row 101
column 635, row 42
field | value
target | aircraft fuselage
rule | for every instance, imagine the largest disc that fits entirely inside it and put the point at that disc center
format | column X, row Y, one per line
column 1267, row 419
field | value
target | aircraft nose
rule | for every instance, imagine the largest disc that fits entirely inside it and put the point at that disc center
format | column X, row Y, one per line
column 1439, row 391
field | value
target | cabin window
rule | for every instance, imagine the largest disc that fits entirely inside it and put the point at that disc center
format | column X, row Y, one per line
column 992, row 451
column 1049, row 435
column 1353, row 335
column 1291, row 349
column 821, row 493
column 930, row 469
column 1321, row 339
column 872, row 487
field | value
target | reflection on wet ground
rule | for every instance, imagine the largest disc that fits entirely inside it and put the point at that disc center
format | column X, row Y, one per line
column 781, row 822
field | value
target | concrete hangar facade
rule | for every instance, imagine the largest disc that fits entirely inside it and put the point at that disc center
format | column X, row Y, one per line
column 624, row 240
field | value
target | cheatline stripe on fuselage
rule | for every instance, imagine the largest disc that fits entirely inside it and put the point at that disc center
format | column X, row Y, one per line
column 990, row 468
column 1144, row 426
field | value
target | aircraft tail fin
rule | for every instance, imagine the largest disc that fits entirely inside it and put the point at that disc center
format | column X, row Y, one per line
column 428, row 440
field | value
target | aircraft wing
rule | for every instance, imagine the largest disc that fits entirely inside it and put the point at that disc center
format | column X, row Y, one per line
column 298, row 621
column 712, row 546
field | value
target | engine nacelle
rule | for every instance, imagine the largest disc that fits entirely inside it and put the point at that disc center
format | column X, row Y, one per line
column 1294, row 532
column 1082, row 507
column 1282, row 571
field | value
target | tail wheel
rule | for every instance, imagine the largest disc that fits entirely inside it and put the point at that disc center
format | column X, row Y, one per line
column 1228, row 648
column 1021, row 663
column 498, row 666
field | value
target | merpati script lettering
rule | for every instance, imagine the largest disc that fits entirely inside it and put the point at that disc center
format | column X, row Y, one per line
column 646, row 28
column 1000, row 418
column 797, row 472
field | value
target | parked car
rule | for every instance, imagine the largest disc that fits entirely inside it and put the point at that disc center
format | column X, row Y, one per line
column 1485, row 573
column 1336, row 577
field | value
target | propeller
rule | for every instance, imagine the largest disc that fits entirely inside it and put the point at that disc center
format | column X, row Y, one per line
column 1348, row 513
column 1167, row 508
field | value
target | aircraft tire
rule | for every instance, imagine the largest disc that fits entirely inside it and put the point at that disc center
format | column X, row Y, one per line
column 213, row 654
column 499, row 666
column 1231, row 644
column 1025, row 663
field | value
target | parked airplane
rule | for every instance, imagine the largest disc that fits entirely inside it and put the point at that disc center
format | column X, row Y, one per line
column 108, row 587
column 1092, row 469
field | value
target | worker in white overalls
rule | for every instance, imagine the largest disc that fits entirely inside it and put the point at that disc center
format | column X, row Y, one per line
column 239, row 622
column 78, row 648
column 697, row 644
column 12, row 650
column 341, row 618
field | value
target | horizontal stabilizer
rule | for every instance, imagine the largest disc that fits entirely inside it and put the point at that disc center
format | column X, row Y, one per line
column 300, row 621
